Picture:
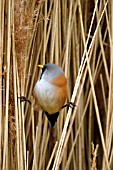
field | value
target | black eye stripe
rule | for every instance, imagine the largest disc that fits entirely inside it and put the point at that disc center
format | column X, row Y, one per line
column 43, row 69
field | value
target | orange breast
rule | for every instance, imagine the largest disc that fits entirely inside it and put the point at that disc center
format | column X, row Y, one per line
column 61, row 83
column 62, row 94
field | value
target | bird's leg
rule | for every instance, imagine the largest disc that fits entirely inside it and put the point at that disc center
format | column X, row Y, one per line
column 23, row 98
column 70, row 104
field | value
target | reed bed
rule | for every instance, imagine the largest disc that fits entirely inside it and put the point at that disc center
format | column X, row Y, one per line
column 77, row 35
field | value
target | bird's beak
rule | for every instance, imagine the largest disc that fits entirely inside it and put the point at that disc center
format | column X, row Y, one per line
column 41, row 66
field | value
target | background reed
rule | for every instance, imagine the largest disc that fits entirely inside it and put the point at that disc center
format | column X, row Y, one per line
column 78, row 36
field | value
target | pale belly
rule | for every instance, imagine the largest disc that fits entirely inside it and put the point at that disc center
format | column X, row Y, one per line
column 48, row 96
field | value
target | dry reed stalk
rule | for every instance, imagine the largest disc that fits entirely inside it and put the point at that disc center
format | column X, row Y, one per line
column 94, row 155
column 15, row 89
column 103, row 92
column 110, row 98
column 1, row 60
column 5, row 144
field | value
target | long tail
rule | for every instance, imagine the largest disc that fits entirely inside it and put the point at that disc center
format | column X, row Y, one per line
column 53, row 126
column 53, row 134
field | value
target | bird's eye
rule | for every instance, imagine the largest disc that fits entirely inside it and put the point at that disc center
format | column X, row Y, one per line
column 43, row 69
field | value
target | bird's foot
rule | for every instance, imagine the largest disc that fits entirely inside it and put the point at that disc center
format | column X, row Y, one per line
column 70, row 104
column 23, row 98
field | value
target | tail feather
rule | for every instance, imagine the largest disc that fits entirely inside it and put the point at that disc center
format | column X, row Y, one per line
column 53, row 126
column 53, row 133
column 52, row 118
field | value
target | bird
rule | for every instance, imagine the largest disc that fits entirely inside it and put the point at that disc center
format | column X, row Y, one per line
column 50, row 92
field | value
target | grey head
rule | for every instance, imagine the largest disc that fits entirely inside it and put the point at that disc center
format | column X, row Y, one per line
column 50, row 71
